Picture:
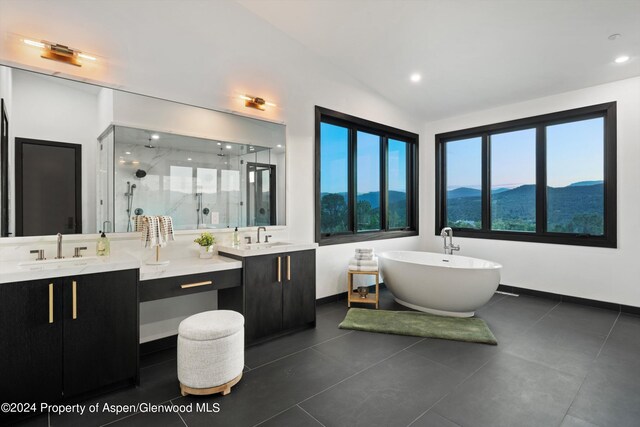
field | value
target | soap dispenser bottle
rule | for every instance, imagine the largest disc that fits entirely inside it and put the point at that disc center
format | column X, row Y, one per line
column 102, row 246
column 236, row 237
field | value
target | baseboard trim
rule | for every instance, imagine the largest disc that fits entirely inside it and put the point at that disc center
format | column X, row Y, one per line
column 575, row 300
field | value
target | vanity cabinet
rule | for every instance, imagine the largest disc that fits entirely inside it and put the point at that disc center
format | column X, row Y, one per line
column 280, row 293
column 67, row 336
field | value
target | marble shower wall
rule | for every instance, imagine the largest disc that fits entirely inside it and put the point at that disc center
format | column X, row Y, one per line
column 174, row 181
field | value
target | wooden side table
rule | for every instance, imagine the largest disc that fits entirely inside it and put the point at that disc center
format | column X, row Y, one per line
column 355, row 296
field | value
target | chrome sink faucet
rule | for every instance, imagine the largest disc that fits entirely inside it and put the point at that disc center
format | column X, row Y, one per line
column 59, row 256
column 450, row 247
column 260, row 228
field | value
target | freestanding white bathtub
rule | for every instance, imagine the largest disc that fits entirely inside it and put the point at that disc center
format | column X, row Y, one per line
column 448, row 285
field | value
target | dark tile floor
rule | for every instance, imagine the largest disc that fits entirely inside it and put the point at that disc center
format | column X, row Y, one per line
column 557, row 364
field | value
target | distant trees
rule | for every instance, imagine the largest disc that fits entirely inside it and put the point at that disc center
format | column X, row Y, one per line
column 575, row 209
column 334, row 213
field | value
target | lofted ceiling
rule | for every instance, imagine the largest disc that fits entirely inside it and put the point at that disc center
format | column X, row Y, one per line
column 472, row 54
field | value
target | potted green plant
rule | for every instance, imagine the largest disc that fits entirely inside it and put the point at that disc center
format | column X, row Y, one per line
column 206, row 241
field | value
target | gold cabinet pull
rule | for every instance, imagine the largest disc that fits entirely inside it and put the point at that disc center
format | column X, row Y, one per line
column 50, row 302
column 279, row 269
column 74, row 298
column 289, row 267
column 194, row 285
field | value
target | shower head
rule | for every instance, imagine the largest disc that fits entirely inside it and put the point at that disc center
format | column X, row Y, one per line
column 140, row 173
column 133, row 186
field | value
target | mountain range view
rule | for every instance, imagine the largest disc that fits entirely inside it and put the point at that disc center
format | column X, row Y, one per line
column 575, row 208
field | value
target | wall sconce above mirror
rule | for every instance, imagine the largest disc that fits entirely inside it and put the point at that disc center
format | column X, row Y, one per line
column 59, row 52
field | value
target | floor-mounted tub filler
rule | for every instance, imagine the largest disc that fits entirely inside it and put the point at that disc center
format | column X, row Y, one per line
column 448, row 285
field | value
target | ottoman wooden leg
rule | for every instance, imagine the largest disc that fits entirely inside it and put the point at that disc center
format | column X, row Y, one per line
column 223, row 388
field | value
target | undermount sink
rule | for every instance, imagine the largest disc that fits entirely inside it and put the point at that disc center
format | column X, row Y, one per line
column 51, row 264
column 263, row 245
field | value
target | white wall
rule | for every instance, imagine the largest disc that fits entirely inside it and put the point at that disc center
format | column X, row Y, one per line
column 60, row 112
column 596, row 273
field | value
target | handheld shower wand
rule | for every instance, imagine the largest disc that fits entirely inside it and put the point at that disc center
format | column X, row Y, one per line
column 129, row 196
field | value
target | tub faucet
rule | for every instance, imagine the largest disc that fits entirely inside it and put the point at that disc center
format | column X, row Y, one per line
column 260, row 228
column 450, row 247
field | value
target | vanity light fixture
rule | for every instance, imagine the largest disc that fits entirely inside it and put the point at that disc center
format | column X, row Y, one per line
column 59, row 52
column 256, row 102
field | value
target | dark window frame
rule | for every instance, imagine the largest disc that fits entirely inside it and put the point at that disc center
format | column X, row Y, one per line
column 609, row 238
column 355, row 124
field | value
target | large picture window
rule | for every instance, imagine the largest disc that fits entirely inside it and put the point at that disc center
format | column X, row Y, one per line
column 366, row 179
column 549, row 178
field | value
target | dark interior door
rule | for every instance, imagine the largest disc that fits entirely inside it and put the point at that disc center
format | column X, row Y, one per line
column 4, row 170
column 30, row 342
column 101, row 343
column 48, row 187
column 298, row 289
column 261, row 194
column 263, row 290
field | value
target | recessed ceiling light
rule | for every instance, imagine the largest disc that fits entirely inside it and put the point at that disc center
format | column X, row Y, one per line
column 155, row 136
column 135, row 162
column 621, row 59
column 279, row 145
column 121, row 161
column 415, row 77
column 219, row 143
column 127, row 152
column 229, row 147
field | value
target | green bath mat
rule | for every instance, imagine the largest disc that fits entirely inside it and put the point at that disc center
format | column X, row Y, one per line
column 418, row 324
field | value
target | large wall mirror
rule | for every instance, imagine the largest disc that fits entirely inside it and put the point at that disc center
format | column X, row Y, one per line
column 82, row 158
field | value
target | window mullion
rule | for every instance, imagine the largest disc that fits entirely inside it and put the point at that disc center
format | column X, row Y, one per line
column 486, row 183
column 384, row 194
column 541, row 180
column 353, row 152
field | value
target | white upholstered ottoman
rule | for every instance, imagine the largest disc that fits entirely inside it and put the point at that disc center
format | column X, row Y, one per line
column 210, row 352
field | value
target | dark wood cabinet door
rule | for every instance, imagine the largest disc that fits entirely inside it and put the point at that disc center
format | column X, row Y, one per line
column 30, row 341
column 101, row 342
column 299, row 289
column 263, row 301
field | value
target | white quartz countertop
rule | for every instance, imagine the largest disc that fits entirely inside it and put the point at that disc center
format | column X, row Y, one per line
column 185, row 266
column 255, row 249
column 14, row 271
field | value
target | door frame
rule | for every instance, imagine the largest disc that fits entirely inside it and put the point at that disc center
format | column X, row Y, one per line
column 272, row 190
column 19, row 182
column 4, row 169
